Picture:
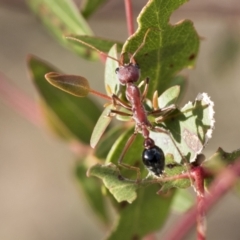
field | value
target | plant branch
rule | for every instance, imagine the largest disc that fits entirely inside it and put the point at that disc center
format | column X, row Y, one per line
column 198, row 173
column 221, row 185
column 129, row 17
column 19, row 101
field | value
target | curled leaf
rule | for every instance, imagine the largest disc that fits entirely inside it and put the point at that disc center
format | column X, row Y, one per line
column 75, row 85
column 65, row 114
column 190, row 128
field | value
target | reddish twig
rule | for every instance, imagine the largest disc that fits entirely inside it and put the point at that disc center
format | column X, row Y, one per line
column 222, row 184
column 19, row 101
column 150, row 237
column 198, row 176
column 129, row 17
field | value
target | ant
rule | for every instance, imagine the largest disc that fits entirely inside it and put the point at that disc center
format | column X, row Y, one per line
column 128, row 74
column 152, row 156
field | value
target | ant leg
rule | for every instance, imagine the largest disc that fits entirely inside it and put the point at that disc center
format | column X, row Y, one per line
column 126, row 147
column 120, row 113
column 158, row 129
column 162, row 111
column 117, row 101
column 141, row 45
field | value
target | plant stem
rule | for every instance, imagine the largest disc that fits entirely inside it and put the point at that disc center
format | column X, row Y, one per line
column 104, row 96
column 129, row 16
column 221, row 185
column 198, row 174
column 19, row 101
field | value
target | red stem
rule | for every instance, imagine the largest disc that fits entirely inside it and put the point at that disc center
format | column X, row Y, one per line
column 100, row 94
column 20, row 102
column 221, row 185
column 150, row 237
column 198, row 174
column 129, row 16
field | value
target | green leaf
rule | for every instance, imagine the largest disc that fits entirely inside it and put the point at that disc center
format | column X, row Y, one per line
column 173, row 169
column 110, row 78
column 72, row 118
column 90, row 6
column 103, row 147
column 168, row 48
column 220, row 159
column 100, row 127
column 121, row 189
column 145, row 215
column 218, row 162
column 190, row 128
column 169, row 97
column 182, row 200
column 122, row 183
column 93, row 193
column 125, row 189
column 182, row 82
column 63, row 18
column 75, row 85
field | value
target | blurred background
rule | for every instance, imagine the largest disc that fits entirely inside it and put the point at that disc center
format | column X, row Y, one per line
column 40, row 197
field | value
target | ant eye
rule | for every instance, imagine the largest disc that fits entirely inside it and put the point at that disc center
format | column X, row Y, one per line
column 117, row 69
column 137, row 66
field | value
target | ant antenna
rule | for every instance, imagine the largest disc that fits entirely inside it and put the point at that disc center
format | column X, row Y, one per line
column 141, row 45
column 92, row 47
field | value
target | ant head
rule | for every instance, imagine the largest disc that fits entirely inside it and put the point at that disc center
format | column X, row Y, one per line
column 128, row 73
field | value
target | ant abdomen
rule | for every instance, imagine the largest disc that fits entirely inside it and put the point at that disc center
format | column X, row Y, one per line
column 154, row 160
column 128, row 73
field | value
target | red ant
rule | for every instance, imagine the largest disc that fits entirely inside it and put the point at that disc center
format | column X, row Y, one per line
column 128, row 74
column 152, row 156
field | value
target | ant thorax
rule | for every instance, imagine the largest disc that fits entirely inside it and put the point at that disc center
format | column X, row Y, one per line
column 133, row 95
